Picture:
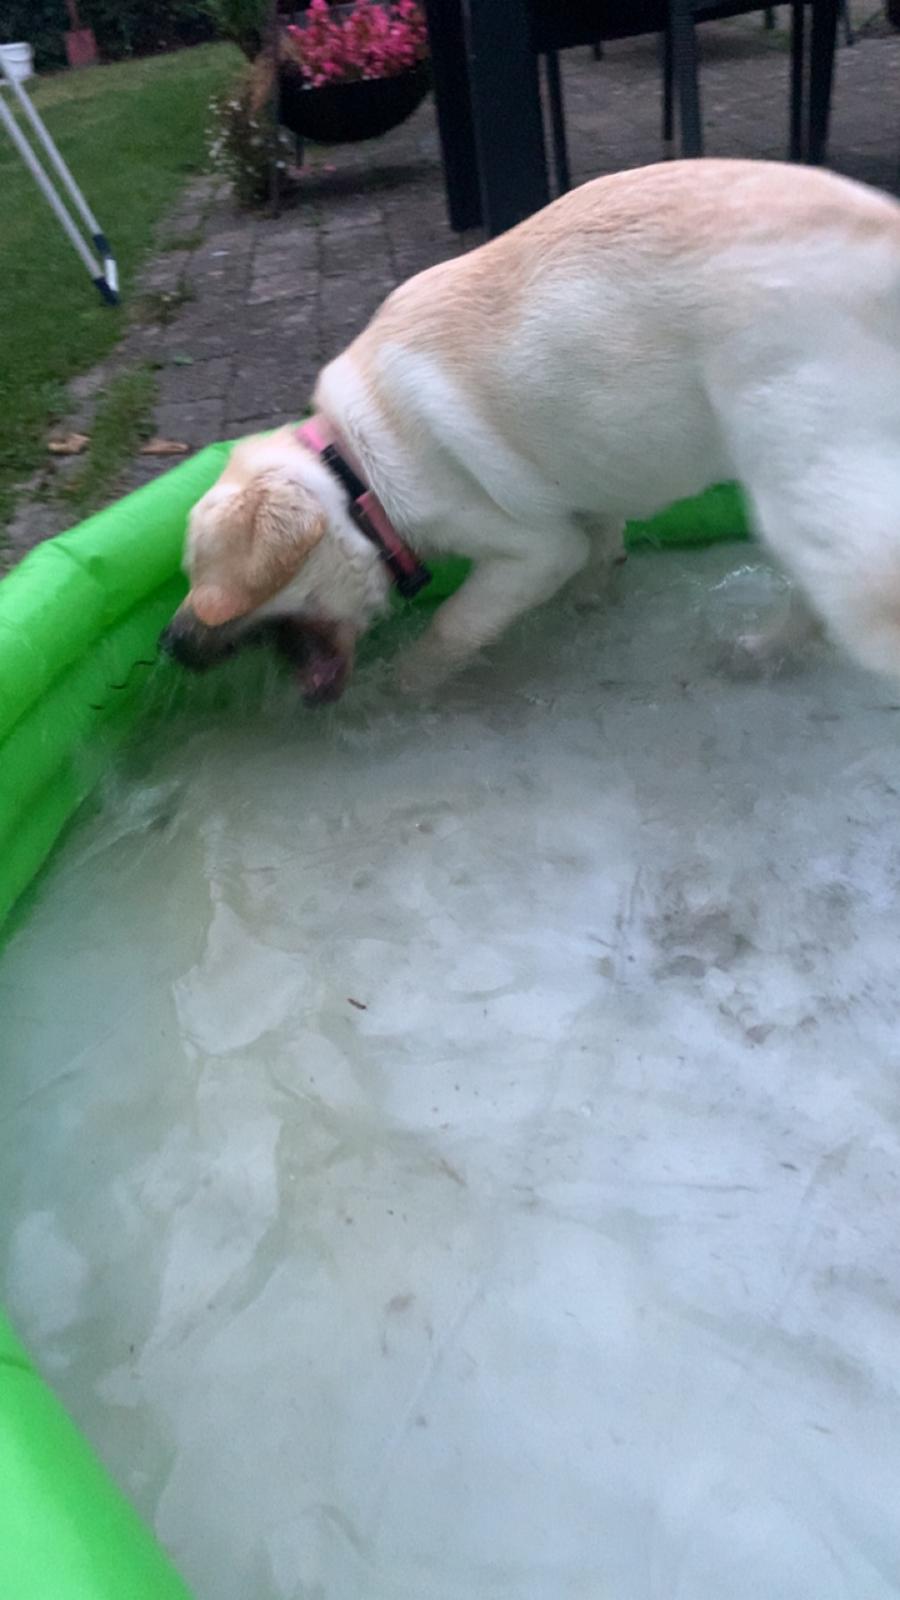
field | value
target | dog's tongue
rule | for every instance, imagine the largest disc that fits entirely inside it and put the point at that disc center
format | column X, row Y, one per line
column 321, row 660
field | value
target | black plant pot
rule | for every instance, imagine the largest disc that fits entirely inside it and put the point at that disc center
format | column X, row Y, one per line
column 342, row 113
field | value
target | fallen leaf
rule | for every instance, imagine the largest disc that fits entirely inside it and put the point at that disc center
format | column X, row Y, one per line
column 357, row 1003
column 164, row 447
column 70, row 444
column 182, row 361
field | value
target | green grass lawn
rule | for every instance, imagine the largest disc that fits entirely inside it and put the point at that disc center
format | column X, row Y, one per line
column 132, row 134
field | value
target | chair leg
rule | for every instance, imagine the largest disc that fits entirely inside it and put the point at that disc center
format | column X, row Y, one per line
column 821, row 76
column 769, row 18
column 505, row 93
column 685, row 68
column 668, row 77
column 557, row 121
column 798, row 23
column 456, row 127
column 597, row 51
column 849, row 38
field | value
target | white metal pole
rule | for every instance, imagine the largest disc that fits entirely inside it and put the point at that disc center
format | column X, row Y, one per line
column 97, row 235
column 40, row 128
column 47, row 189
column 105, row 276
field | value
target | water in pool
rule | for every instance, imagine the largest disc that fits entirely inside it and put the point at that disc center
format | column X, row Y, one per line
column 454, row 1154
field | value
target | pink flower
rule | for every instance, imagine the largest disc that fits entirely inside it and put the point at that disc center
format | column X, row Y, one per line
column 378, row 39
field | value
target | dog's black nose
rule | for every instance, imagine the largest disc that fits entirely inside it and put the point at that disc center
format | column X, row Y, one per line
column 194, row 647
column 166, row 643
column 180, row 645
column 197, row 646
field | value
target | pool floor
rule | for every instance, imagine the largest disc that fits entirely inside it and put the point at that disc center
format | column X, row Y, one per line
column 454, row 1153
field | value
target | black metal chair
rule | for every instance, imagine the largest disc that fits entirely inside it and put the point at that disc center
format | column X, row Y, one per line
column 485, row 58
column 553, row 32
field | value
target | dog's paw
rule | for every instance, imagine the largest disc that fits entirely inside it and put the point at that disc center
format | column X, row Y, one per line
column 590, row 600
column 428, row 665
column 599, row 587
column 415, row 677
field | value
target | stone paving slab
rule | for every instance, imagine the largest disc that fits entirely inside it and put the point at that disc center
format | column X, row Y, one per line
column 242, row 316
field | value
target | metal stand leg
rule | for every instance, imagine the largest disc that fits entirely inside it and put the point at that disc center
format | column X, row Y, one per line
column 274, row 42
column 557, row 121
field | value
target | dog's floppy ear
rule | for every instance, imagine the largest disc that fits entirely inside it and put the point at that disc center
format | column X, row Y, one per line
column 277, row 522
column 214, row 604
column 287, row 522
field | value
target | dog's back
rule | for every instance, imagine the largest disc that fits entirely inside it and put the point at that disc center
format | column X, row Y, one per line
column 646, row 335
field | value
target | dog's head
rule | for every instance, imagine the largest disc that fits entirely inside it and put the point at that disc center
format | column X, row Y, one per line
column 272, row 553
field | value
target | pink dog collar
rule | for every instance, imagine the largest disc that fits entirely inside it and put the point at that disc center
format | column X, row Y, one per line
column 407, row 571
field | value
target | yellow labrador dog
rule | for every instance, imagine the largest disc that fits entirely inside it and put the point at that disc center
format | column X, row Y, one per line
column 645, row 336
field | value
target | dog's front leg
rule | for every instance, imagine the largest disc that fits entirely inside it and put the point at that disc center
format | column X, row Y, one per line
column 500, row 588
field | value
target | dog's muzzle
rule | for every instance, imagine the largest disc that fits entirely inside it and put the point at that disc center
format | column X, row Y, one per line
column 320, row 653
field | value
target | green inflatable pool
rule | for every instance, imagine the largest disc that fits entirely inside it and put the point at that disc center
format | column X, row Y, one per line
column 79, row 620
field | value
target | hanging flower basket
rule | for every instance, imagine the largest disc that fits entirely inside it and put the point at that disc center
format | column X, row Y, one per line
column 342, row 113
column 353, row 71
